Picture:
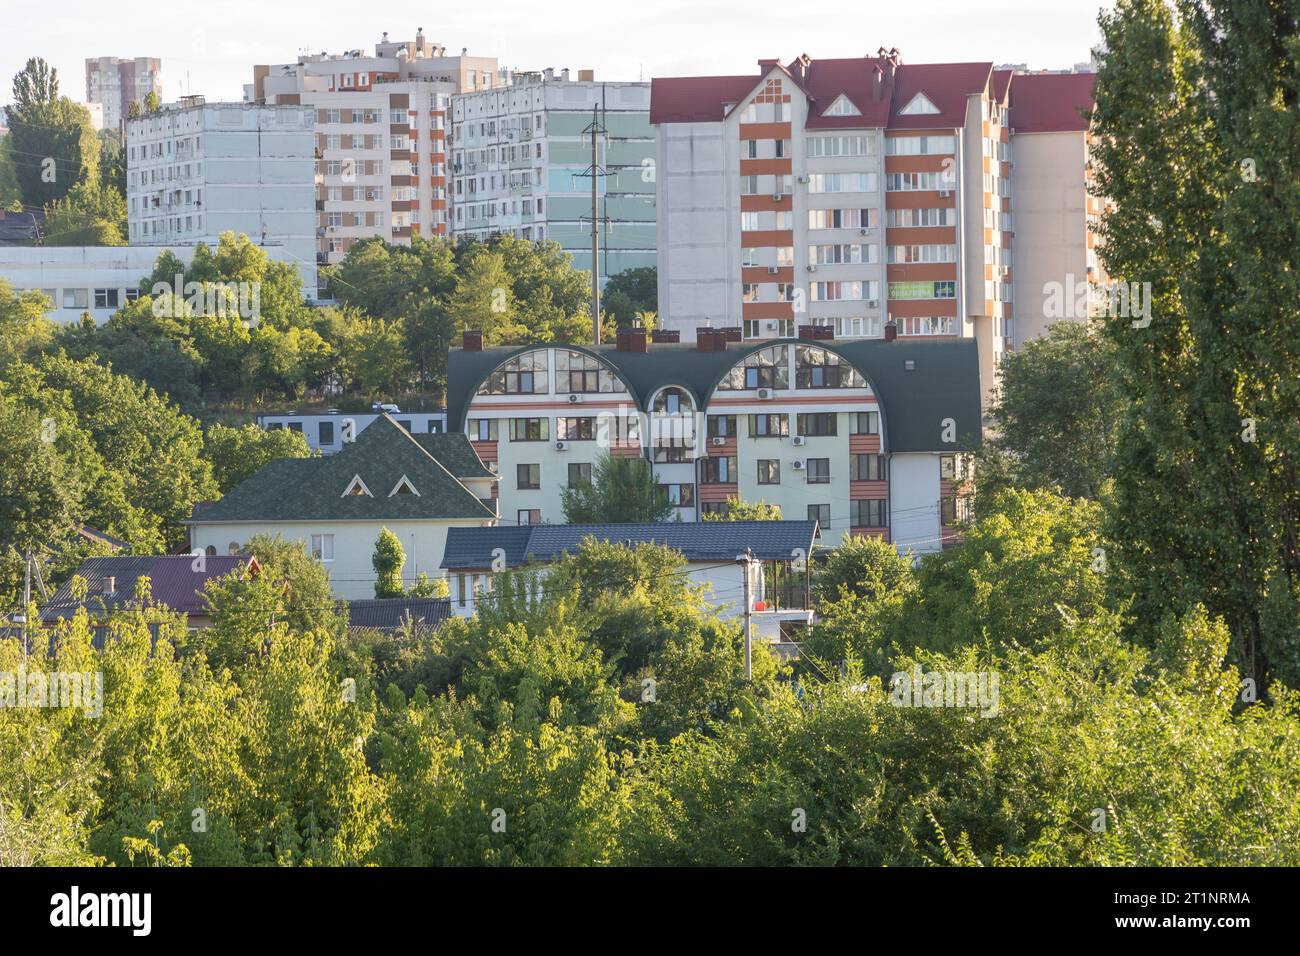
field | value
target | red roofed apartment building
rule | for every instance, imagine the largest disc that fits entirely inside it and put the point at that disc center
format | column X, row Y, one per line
column 872, row 196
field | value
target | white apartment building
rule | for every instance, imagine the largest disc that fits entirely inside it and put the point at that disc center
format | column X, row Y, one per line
column 380, row 135
column 114, row 84
column 854, row 194
column 861, row 436
column 196, row 170
column 521, row 165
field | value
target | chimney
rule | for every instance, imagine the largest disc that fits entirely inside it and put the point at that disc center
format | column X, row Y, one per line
column 586, row 76
column 549, row 73
column 419, row 40
column 730, row 333
column 819, row 332
column 472, row 340
column 564, row 74
column 110, row 585
column 891, row 330
column 710, row 340
column 665, row 335
column 632, row 340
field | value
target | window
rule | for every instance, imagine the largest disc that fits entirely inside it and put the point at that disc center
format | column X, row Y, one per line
column 775, row 425
column 718, row 471
column 867, row 468
column 325, row 433
column 900, row 255
column 322, row 547
column 869, row 513
column 672, row 401
column 530, row 429
column 482, row 429
column 946, row 216
column 864, row 423
column 854, row 291
column 841, row 107
column 845, row 253
column 841, row 218
column 579, row 473
column 950, row 467
column 920, row 145
column 680, row 496
column 528, row 516
column 821, row 368
column 842, row 183
column 821, row 514
column 106, row 298
column 672, row 454
column 524, row 374
column 839, row 145
column 720, row 426
column 819, row 471
column 713, row 507
column 580, row 372
column 576, row 429
column 816, row 423
column 528, row 477
column 925, row 325
column 75, row 298
column 765, row 368
column 952, row 511
column 911, row 182
column 769, row 471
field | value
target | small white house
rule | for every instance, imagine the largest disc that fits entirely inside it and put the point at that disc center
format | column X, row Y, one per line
column 779, row 550
column 420, row 487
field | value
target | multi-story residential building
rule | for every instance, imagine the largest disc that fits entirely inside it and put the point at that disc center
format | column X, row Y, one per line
column 1057, row 212
column 380, row 128
column 862, row 436
column 115, row 84
column 521, row 164
column 197, row 169
column 849, row 193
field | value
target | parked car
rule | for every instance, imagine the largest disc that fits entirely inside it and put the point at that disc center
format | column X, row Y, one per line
column 385, row 407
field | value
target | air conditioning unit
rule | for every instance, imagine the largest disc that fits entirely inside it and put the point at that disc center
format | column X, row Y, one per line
column 773, row 270
column 575, row 399
column 765, row 394
column 777, row 197
column 561, row 446
column 718, row 441
column 873, row 303
column 803, row 179
column 771, row 326
column 865, row 231
column 798, row 464
column 945, row 193
column 799, row 440
column 812, row 268
column 1006, row 271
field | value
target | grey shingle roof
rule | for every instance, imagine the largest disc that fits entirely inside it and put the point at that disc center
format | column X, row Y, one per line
column 944, row 382
column 311, row 489
column 456, row 453
column 471, row 548
column 386, row 614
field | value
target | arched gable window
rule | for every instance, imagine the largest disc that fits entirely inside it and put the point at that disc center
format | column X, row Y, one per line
column 816, row 367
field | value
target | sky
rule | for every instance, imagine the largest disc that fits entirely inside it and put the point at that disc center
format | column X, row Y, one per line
column 210, row 46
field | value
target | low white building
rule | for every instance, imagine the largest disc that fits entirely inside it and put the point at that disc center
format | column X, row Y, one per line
column 196, row 170
column 417, row 486
column 327, row 433
column 98, row 280
column 779, row 582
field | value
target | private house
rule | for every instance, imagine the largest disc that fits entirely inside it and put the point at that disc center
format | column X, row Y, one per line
column 779, row 584
column 390, row 614
column 417, row 486
column 175, row 582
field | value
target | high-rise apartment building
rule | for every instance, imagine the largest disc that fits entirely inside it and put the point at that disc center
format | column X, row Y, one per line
column 522, row 165
column 196, row 170
column 380, row 129
column 115, row 84
column 867, row 195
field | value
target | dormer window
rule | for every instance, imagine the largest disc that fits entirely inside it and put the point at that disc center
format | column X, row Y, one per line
column 842, row 107
column 403, row 487
column 919, row 104
column 356, row 487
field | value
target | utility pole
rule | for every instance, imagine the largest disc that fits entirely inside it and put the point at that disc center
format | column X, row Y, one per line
column 746, row 561
column 595, row 172
column 27, row 594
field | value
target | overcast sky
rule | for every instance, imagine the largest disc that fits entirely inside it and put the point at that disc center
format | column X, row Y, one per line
column 209, row 46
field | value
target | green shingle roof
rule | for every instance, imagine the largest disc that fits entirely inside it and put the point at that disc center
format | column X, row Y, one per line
column 943, row 383
column 311, row 489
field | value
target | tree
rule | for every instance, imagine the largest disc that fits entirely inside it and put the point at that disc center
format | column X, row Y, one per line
column 484, row 299
column 737, row 510
column 865, row 566
column 53, row 134
column 92, row 214
column 237, row 454
column 152, row 102
column 1196, row 126
column 630, row 293
column 24, row 329
column 621, row 489
column 1054, row 418
column 388, row 559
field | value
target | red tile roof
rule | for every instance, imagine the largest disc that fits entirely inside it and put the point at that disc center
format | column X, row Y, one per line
column 1051, row 102
column 865, row 81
